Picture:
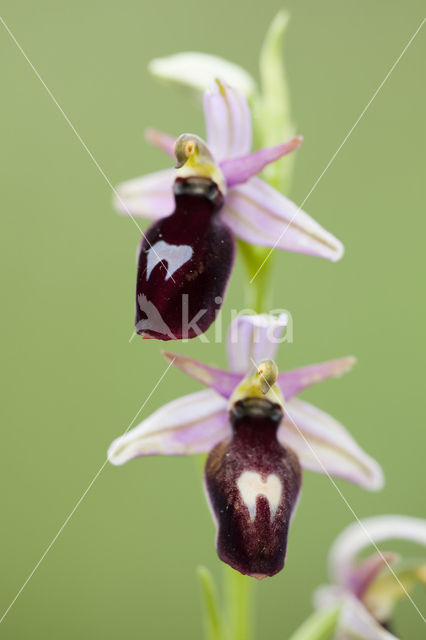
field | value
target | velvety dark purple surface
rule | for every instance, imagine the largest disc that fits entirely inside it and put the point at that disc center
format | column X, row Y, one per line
column 253, row 547
column 185, row 303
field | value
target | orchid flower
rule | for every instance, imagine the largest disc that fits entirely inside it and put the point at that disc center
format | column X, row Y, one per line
column 258, row 435
column 368, row 589
column 186, row 256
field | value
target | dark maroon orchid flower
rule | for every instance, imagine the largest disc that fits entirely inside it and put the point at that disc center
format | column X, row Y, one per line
column 186, row 256
column 256, row 443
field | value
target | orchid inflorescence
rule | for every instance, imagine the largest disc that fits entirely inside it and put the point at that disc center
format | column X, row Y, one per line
column 258, row 434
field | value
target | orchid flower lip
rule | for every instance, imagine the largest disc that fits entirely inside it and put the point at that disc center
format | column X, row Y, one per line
column 252, row 481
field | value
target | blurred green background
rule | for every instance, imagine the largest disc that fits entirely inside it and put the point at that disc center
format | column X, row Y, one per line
column 124, row 566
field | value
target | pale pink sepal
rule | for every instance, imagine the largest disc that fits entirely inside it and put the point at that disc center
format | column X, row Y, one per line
column 322, row 444
column 260, row 215
column 196, row 71
column 357, row 622
column 354, row 621
column 239, row 170
column 253, row 338
column 191, row 424
column 296, row 380
column 224, row 382
column 228, row 122
column 150, row 196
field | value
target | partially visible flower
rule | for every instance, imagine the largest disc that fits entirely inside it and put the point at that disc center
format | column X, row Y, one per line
column 186, row 257
column 368, row 589
column 257, row 434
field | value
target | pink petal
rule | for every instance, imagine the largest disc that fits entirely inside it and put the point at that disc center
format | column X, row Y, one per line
column 228, row 122
column 363, row 576
column 191, row 424
column 253, row 339
column 150, row 196
column 224, row 382
column 294, row 381
column 238, row 170
column 323, row 445
column 260, row 215
column 355, row 538
column 161, row 140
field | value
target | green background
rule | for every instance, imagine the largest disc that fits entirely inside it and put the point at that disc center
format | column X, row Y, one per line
column 124, row 566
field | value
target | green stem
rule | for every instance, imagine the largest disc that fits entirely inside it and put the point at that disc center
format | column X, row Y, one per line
column 238, row 592
column 258, row 262
column 320, row 625
column 213, row 618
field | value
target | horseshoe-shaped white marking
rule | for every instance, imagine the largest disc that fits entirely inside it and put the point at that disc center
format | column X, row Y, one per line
column 251, row 485
column 175, row 255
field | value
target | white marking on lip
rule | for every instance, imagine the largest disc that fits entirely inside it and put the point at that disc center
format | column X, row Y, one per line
column 251, row 485
column 175, row 255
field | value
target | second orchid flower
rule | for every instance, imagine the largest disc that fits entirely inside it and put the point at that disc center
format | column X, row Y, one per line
column 258, row 436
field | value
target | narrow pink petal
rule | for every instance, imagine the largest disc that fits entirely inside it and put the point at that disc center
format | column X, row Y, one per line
column 294, row 381
column 224, row 382
column 238, row 170
column 191, row 424
column 150, row 196
column 358, row 536
column 253, row 338
column 161, row 140
column 363, row 575
column 261, row 215
column 228, row 122
column 323, row 445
